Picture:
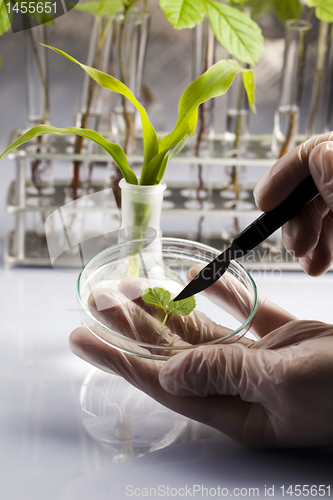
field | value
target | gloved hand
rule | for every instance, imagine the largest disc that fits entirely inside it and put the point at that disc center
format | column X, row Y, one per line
column 308, row 235
column 274, row 392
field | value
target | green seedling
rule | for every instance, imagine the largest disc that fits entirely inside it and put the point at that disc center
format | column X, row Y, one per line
column 162, row 298
column 156, row 152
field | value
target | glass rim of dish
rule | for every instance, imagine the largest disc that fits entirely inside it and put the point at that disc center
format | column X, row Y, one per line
column 145, row 344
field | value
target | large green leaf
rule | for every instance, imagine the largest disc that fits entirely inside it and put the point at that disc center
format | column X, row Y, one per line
column 239, row 34
column 287, row 9
column 4, row 19
column 183, row 13
column 114, row 150
column 150, row 141
column 213, row 83
column 324, row 11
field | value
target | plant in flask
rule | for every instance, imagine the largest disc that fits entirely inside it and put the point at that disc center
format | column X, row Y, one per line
column 139, row 318
column 142, row 208
column 157, row 152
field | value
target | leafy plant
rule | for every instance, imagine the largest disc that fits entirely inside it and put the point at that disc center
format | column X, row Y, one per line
column 214, row 82
column 162, row 298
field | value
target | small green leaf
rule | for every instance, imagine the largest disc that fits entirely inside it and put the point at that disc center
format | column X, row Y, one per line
column 157, row 296
column 183, row 13
column 150, row 141
column 162, row 298
column 182, row 307
column 287, row 9
column 239, row 34
column 114, row 150
column 4, row 19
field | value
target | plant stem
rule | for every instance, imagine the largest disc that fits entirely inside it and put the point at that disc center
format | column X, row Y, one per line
column 310, row 13
column 290, row 132
column 79, row 141
column 234, row 170
column 294, row 99
column 324, row 39
column 165, row 318
column 35, row 165
column 142, row 212
column 42, row 75
column 202, row 118
column 128, row 119
column 129, row 122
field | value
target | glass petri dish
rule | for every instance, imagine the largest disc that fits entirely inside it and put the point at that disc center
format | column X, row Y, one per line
column 223, row 313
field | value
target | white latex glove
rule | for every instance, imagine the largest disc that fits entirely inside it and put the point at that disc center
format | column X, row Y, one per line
column 276, row 392
column 308, row 235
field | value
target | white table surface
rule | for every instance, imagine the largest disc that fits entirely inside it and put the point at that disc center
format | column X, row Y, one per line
column 44, row 451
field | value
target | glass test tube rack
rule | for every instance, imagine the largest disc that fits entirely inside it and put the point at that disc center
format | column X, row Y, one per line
column 185, row 211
